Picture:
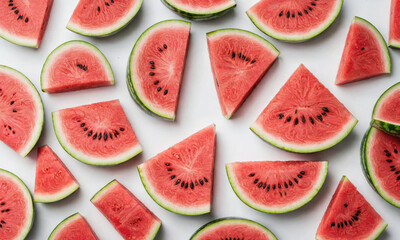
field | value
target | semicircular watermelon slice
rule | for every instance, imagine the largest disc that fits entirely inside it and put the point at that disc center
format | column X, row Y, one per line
column 276, row 186
column 394, row 33
column 74, row 227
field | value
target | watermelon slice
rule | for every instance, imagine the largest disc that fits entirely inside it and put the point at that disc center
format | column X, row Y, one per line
column 233, row 228
column 394, row 34
column 365, row 53
column 102, row 18
column 22, row 114
column 16, row 207
column 75, row 65
column 96, row 134
column 180, row 179
column 276, row 186
column 380, row 159
column 24, row 22
column 294, row 20
column 350, row 216
column 156, row 66
column 304, row 116
column 74, row 227
column 239, row 60
column 53, row 180
column 126, row 213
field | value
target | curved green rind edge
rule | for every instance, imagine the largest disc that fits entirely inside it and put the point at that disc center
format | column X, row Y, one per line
column 394, row 44
column 302, row 39
column 59, row 197
column 69, row 42
column 198, row 16
column 60, row 225
column 204, row 228
column 310, row 196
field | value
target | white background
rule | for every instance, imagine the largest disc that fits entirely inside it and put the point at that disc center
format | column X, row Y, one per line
column 198, row 108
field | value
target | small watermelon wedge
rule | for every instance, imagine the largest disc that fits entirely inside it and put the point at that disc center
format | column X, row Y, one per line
column 394, row 33
column 74, row 227
column 156, row 66
column 276, row 186
column 180, row 179
column 365, row 53
column 53, row 180
column 304, row 116
column 130, row 217
column 239, row 60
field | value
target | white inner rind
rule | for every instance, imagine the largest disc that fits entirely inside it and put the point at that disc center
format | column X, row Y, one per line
column 63, row 224
column 63, row 193
column 19, row 40
column 180, row 7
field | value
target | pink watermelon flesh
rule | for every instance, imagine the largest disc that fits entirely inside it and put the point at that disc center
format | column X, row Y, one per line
column 239, row 60
column 365, row 54
column 126, row 213
column 74, row 228
column 394, row 33
column 349, row 216
column 24, row 22
column 180, row 179
column 387, row 107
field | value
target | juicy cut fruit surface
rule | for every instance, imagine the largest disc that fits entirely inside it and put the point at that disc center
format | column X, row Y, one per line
column 96, row 134
column 276, row 186
column 24, row 22
column 394, row 33
column 239, row 60
column 156, row 67
column 74, row 227
column 304, row 116
column 180, row 179
column 126, row 213
column 101, row 18
column 294, row 20
column 21, row 111
column 349, row 216
column 365, row 53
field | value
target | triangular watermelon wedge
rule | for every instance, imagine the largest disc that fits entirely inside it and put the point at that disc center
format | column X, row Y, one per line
column 394, row 33
column 180, row 179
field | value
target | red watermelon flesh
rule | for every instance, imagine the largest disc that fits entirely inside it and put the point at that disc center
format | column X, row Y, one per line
column 239, row 60
column 126, row 213
column 365, row 53
column 180, row 179
column 349, row 216
column 387, row 107
column 198, row 7
column 394, row 34
column 24, row 22
column 74, row 227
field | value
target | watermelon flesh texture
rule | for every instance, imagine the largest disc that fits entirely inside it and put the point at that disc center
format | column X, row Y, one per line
column 294, row 20
column 365, row 53
column 349, row 216
column 304, row 116
column 97, row 134
column 21, row 111
column 24, row 22
column 53, row 180
column 75, row 65
column 126, row 213
column 276, row 186
column 394, row 33
column 239, row 60
column 180, row 179
column 74, row 227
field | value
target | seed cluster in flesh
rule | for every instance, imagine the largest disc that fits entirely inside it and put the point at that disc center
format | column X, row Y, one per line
column 14, row 8
column 100, row 135
column 242, row 57
column 348, row 222
column 153, row 67
column 4, row 209
column 392, row 166
column 303, row 118
column 299, row 13
column 183, row 184
column 105, row 3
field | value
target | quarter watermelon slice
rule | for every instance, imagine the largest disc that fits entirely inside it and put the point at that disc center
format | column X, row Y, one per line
column 276, row 186
column 24, row 22
column 304, row 116
column 156, row 66
column 53, row 180
column 233, row 228
column 394, row 34
column 102, row 18
column 294, row 20
column 350, row 216
column 16, row 208
column 180, row 179
column 74, row 227
column 126, row 213
column 97, row 134
column 239, row 60
column 75, row 65
column 21, row 114
column 365, row 53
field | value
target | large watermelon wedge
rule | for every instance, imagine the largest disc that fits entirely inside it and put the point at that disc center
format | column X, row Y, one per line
column 156, row 66
column 21, row 114
column 304, row 116
column 350, row 216
column 276, row 186
column 180, row 179
column 394, row 34
column 239, row 60
column 74, row 227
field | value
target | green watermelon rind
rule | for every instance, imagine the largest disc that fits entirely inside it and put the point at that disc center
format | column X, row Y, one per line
column 213, row 223
column 62, row 224
column 56, row 197
column 394, row 44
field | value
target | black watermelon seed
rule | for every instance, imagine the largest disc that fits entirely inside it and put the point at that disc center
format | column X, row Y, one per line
column 393, row 169
column 105, row 136
column 13, row 8
column 112, row 1
column 84, row 68
column 251, row 175
column 165, row 46
column 296, row 121
column 151, row 62
column 167, row 164
column 398, row 178
column 312, row 120
column 240, row 55
column 395, row 151
column 243, row 57
column 389, row 161
column 169, row 169
column 274, row 187
column 9, row 127
column 233, row 54
column 313, row 4
column 299, row 176
column 12, row 102
column 300, row 14
column 264, row 185
column 325, row 109
column 111, row 136
column 186, row 185
column 268, row 187
column 196, row 183
column 355, row 218
column 247, row 59
column 332, row 224
column 183, row 183
column 253, row 61
column 341, row 224
column 159, row 49
column 280, row 14
column 288, row 14
column 345, row 223
column 156, row 82
column 85, row 129
column 165, row 92
column 2, row 221
column 201, row 182
column 90, row 133
column 338, row 225
column 290, row 183
column 303, row 119
column 191, row 185
column 10, row 5
column 305, row 11
column 295, row 111
column 95, row 136
column 99, row 136
column 98, row 9
column 256, row 181
column 286, row 186
column 319, row 118
column 392, row 166
column 16, row 11
column 152, row 74
column 302, row 172
column 398, row 172
column 260, row 185
column 205, row 180
column 2, row 204
column 107, row 4
column 279, row 186
column 82, row 125
column 158, row 89
column 14, row 110
column 288, row 119
column 293, row 15
column 351, row 224
column 122, row 129
column 345, row 205
column 362, row 49
column 388, row 154
column 20, row 17
column 177, row 182
column 295, row 180
column 309, row 8
column 324, row 114
column 281, row 116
